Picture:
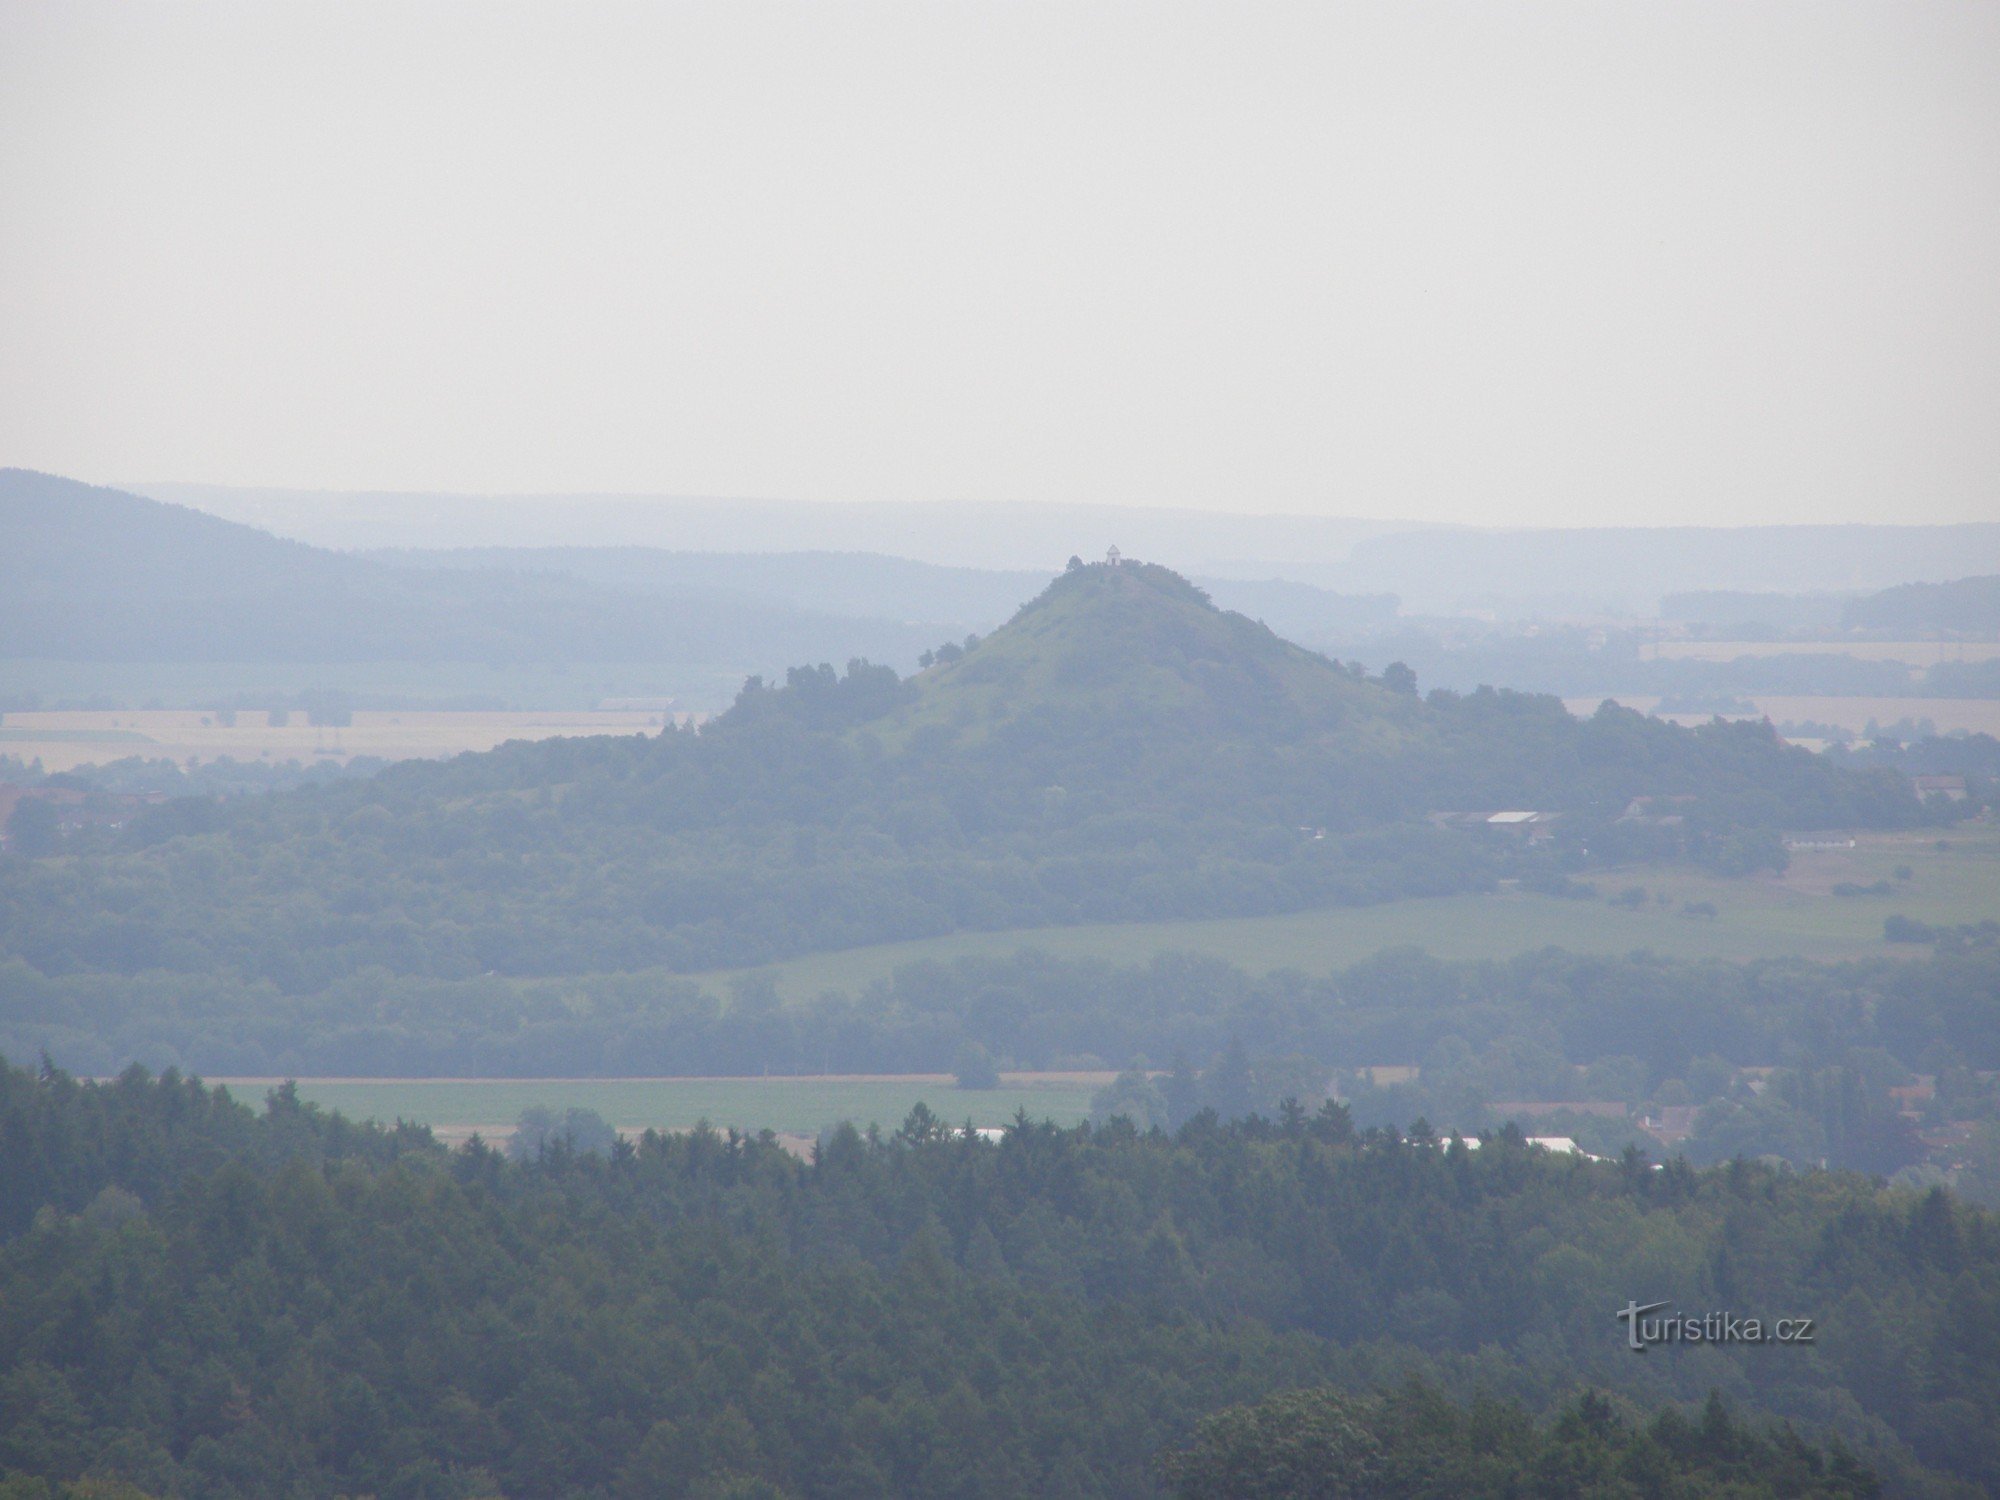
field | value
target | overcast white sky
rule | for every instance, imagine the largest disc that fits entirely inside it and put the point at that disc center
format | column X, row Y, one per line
column 1515, row 263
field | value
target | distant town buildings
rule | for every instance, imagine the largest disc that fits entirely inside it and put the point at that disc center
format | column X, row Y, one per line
column 1526, row 823
column 1655, row 812
column 75, row 807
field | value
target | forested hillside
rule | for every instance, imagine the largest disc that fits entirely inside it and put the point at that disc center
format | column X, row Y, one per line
column 1411, row 1445
column 1965, row 606
column 198, row 1302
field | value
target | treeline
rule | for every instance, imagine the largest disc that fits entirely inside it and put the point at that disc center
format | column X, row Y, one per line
column 194, row 1300
column 1965, row 606
column 1412, row 1444
column 1579, row 662
column 1544, row 1026
column 1976, row 757
column 136, row 775
column 788, row 827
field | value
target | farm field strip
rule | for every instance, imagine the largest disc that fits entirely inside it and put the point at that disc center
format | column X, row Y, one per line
column 791, row 1106
column 1763, row 917
column 1912, row 653
column 65, row 740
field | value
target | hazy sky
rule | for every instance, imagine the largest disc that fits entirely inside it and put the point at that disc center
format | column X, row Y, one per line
column 1525, row 263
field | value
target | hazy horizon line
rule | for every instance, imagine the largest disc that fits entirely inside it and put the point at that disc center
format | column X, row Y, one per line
column 143, row 487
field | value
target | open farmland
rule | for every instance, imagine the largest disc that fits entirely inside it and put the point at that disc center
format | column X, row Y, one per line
column 63, row 741
column 1949, row 715
column 1912, row 653
column 455, row 1107
column 1756, row 917
column 45, row 683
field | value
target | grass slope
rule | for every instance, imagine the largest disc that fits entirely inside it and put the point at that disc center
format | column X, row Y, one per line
column 1797, row 915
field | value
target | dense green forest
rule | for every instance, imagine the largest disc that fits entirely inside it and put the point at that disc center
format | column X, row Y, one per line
column 196, row 1299
column 1549, row 1026
column 1411, row 1444
column 1965, row 606
column 1120, row 750
column 1639, row 1032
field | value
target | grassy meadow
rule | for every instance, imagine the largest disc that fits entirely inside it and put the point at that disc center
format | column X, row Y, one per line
column 1759, row 917
column 1756, row 917
column 790, row 1106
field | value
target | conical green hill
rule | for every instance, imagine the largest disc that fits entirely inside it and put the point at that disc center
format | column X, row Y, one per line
column 1136, row 643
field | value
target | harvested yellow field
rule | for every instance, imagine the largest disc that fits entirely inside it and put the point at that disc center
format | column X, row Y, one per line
column 1972, row 715
column 64, row 741
column 1912, row 653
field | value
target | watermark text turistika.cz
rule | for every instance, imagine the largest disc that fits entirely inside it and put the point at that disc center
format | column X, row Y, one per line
column 1648, row 1323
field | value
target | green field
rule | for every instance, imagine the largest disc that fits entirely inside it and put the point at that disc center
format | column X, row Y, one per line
column 798, row 1106
column 1757, row 917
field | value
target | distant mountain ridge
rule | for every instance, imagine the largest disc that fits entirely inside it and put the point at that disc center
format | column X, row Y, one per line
column 91, row 573
column 88, row 573
column 1028, row 534
column 1435, row 569
column 860, row 585
column 877, row 586
column 1629, row 569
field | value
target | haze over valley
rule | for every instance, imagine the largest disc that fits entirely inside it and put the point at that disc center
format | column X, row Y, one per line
column 1124, row 753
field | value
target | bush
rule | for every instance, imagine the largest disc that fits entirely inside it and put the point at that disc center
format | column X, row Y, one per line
column 541, row 1130
column 975, row 1068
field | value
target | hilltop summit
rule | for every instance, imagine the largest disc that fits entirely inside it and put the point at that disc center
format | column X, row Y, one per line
column 1137, row 643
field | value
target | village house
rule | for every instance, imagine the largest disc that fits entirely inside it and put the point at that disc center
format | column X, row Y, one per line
column 1525, row 823
column 1670, row 1124
column 1912, row 1097
column 1655, row 812
column 1610, row 1109
column 1951, row 788
column 76, row 807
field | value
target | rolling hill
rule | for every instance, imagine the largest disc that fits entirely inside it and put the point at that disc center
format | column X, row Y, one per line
column 1963, row 607
column 873, row 585
column 1137, row 643
column 94, row 574
column 1121, row 750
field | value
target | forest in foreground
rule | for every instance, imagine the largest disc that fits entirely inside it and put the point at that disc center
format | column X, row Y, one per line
column 198, row 1298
